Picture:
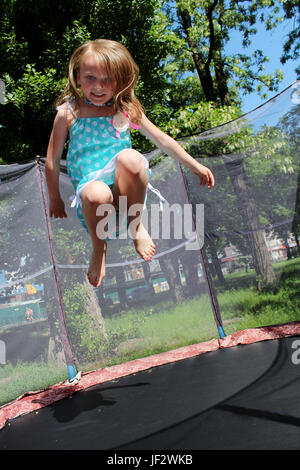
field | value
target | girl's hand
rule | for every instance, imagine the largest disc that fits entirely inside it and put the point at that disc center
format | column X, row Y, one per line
column 205, row 176
column 57, row 208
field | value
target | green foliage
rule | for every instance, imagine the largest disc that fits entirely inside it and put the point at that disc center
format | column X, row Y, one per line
column 35, row 60
column 199, row 118
column 203, row 30
column 31, row 93
column 36, row 42
column 60, row 50
column 27, row 112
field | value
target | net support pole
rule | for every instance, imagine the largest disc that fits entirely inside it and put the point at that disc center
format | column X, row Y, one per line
column 212, row 293
column 70, row 359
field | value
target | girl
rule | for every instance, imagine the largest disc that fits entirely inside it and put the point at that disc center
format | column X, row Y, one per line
column 96, row 110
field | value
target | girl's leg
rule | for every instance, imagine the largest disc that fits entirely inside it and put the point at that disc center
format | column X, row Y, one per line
column 131, row 180
column 94, row 194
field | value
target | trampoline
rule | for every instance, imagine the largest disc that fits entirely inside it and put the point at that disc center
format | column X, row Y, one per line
column 245, row 397
column 162, row 356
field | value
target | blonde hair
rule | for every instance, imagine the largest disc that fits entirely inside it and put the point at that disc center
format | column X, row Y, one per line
column 119, row 65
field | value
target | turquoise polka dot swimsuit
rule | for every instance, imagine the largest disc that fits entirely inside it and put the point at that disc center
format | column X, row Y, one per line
column 93, row 148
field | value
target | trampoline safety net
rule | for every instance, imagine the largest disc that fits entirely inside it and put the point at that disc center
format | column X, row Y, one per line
column 217, row 251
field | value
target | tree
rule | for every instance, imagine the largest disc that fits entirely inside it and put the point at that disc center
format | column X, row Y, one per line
column 289, row 125
column 203, row 30
column 256, row 157
column 36, row 42
column 291, row 46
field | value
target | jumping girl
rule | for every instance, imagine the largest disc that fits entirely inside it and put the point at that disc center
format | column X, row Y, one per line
column 97, row 110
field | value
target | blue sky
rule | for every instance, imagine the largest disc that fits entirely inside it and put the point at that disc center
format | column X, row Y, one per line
column 271, row 43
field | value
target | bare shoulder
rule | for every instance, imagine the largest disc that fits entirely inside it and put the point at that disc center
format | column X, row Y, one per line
column 64, row 116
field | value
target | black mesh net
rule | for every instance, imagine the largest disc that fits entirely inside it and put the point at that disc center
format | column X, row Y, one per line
column 212, row 263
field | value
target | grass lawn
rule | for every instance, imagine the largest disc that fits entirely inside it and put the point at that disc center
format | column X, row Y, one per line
column 167, row 326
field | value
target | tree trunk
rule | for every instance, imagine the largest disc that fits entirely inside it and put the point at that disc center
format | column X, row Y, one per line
column 295, row 225
column 148, row 277
column 56, row 353
column 256, row 237
column 221, row 75
column 172, row 275
column 121, row 287
column 288, row 250
column 221, row 79
column 297, row 242
column 215, row 261
column 202, row 65
column 189, row 262
column 94, row 310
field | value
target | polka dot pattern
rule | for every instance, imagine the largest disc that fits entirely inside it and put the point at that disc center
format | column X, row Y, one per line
column 93, row 143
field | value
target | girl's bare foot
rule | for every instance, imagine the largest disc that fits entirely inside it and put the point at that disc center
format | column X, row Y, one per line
column 96, row 270
column 143, row 243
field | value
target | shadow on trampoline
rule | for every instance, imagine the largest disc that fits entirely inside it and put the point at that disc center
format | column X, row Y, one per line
column 84, row 401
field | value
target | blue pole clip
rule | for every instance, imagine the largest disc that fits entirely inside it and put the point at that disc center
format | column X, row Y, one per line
column 71, row 372
column 221, row 332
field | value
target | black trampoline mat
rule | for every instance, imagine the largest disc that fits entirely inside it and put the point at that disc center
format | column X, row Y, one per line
column 244, row 397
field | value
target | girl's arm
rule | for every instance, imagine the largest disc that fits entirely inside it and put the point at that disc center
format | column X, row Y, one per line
column 169, row 146
column 54, row 153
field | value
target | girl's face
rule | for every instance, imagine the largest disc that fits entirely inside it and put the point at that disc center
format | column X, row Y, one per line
column 96, row 85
